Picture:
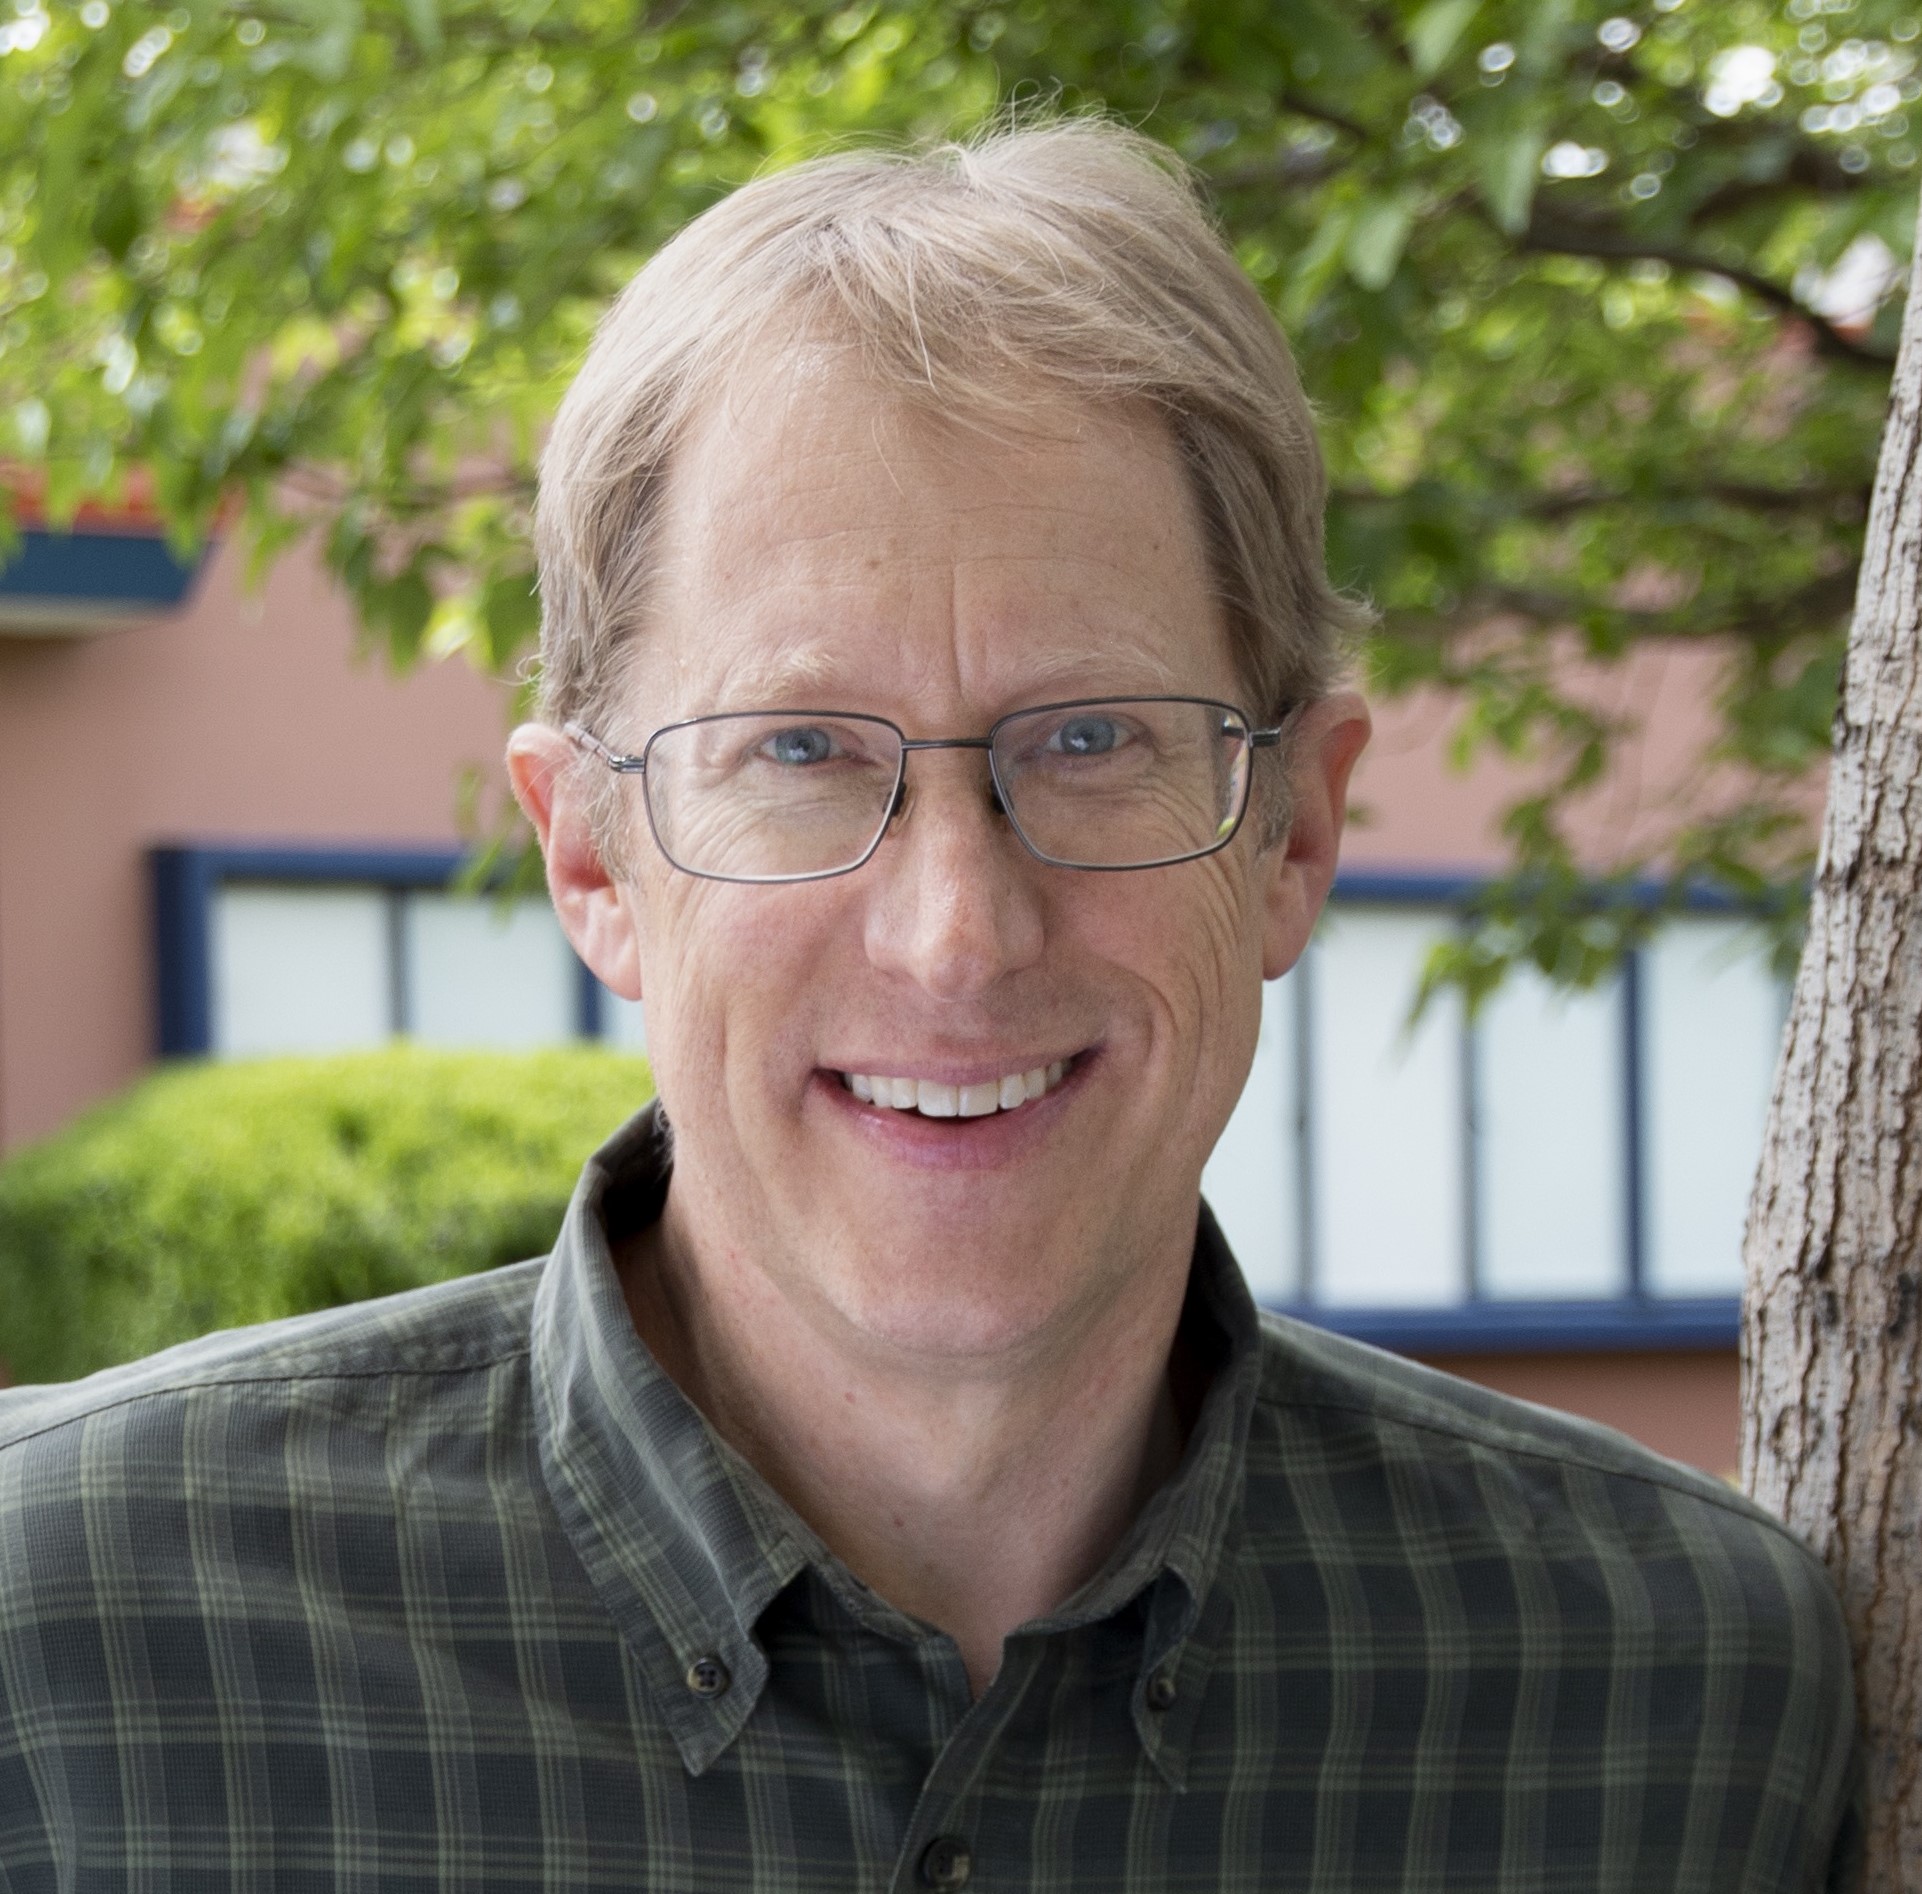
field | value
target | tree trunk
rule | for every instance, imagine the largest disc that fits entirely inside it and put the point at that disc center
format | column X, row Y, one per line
column 1831, row 1341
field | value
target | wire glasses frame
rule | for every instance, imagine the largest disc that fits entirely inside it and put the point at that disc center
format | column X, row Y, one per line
column 1230, row 729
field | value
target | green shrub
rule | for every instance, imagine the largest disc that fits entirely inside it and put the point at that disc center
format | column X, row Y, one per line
column 213, row 1195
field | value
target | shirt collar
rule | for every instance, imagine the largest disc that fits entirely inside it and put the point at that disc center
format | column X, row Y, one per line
column 686, row 1545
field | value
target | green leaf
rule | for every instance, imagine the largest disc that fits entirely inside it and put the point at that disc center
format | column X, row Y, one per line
column 1546, row 26
column 327, row 49
column 1510, row 168
column 423, row 21
column 1316, row 265
column 398, row 609
column 117, row 217
column 1377, row 238
column 511, row 613
column 1434, row 32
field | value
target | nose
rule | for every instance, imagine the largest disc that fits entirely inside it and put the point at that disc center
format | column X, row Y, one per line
column 954, row 905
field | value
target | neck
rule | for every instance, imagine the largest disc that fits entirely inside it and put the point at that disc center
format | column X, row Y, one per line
column 974, row 1498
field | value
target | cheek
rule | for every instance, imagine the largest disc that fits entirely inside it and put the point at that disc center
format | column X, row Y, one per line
column 1224, row 971
column 727, row 972
column 1195, row 953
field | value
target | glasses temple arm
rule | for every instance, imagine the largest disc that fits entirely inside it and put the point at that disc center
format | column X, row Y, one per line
column 1270, row 738
column 587, row 740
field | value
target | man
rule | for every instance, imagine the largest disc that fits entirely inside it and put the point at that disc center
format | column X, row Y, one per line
column 887, row 1481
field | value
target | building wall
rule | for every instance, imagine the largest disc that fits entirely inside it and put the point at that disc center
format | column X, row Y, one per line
column 250, row 718
column 1410, row 809
column 243, row 716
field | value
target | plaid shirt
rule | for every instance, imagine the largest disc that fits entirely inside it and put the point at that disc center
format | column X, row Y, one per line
column 456, row 1592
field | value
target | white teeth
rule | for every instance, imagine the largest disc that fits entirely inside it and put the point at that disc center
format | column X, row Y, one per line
column 932, row 1099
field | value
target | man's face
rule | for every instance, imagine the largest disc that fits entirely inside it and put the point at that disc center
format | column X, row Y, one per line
column 826, row 548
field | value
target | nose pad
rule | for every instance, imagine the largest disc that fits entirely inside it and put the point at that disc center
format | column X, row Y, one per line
column 900, row 801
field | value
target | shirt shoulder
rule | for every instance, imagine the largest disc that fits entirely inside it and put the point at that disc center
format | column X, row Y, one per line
column 302, row 1486
column 1690, row 1643
column 1428, row 1451
column 446, row 1329
column 1307, row 1371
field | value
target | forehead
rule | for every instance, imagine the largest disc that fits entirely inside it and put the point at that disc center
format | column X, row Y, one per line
column 822, row 538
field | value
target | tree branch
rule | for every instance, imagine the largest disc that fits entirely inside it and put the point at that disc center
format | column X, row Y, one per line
column 1548, row 236
column 1291, row 168
column 1304, row 107
column 1553, row 506
column 1808, row 169
column 1825, row 599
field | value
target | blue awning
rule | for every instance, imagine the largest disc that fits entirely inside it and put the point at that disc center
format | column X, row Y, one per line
column 69, row 584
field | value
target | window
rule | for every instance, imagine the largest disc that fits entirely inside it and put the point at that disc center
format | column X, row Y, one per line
column 300, row 969
column 1711, row 1024
column 287, row 950
column 476, row 973
column 1384, row 1177
column 1567, row 1169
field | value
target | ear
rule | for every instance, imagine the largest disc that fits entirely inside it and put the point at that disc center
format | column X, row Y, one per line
column 596, row 912
column 1299, row 869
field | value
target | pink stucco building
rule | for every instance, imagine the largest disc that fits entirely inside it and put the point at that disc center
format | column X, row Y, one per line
column 224, row 831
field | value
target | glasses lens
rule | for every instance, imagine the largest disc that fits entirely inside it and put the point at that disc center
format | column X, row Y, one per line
column 771, row 796
column 1130, row 783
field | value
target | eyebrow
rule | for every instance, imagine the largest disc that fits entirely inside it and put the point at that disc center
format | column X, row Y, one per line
column 771, row 676
column 781, row 677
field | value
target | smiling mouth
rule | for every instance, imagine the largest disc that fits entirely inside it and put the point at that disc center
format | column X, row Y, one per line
column 933, row 1099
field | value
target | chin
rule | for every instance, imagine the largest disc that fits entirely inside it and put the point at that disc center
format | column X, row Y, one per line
column 939, row 1317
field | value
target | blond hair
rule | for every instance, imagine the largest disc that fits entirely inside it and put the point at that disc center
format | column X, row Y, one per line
column 1072, row 257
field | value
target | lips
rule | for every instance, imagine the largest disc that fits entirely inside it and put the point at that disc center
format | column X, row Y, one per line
column 933, row 1098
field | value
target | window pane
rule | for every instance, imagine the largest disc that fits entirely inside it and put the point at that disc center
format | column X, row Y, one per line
column 1551, row 1124
column 1251, row 1181
column 299, row 970
column 479, row 977
column 1711, row 1025
column 1385, row 1117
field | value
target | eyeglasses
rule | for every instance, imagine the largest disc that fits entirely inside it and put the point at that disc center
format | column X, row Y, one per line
column 799, row 795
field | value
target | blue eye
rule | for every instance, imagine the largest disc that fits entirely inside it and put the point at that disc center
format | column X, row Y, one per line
column 800, row 746
column 1087, row 736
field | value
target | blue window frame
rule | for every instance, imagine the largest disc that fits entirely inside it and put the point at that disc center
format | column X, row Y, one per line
column 393, row 902
column 1562, row 1174
column 1277, row 1177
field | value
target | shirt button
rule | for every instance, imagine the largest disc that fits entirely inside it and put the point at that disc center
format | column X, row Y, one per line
column 707, row 1677
column 1161, row 1691
column 946, row 1862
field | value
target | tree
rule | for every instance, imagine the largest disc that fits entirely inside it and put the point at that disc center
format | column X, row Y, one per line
column 1832, row 1343
column 1564, row 280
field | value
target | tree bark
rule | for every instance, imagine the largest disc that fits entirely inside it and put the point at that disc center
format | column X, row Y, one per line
column 1831, row 1336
